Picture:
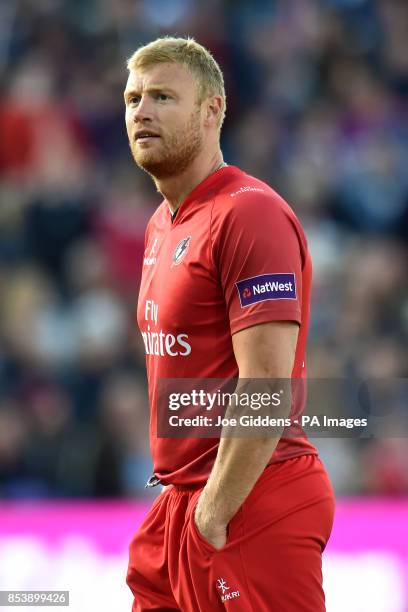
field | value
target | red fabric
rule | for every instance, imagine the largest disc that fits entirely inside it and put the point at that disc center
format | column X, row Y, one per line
column 31, row 135
column 16, row 142
column 238, row 228
column 272, row 559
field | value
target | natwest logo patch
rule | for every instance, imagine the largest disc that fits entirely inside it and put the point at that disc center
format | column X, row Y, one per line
column 266, row 287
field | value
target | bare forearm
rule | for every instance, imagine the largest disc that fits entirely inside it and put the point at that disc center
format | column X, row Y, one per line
column 240, row 460
column 265, row 356
column 239, row 464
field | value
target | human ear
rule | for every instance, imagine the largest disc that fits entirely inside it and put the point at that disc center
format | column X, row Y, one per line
column 213, row 110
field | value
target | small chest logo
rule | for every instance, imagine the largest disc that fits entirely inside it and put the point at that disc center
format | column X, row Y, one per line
column 150, row 253
column 181, row 250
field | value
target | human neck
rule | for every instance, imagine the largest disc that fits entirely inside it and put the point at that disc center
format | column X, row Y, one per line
column 176, row 188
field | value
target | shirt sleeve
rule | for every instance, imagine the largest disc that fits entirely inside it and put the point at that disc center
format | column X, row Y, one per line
column 258, row 251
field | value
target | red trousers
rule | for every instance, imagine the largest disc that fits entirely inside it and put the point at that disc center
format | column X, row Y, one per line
column 272, row 559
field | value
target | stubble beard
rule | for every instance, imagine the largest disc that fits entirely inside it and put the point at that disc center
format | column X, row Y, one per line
column 176, row 154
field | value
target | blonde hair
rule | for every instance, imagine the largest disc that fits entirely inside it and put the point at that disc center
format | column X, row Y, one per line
column 189, row 53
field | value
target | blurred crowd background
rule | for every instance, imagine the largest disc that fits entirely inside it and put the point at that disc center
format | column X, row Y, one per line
column 317, row 106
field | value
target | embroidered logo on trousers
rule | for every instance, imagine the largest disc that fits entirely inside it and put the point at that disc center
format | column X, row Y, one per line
column 225, row 591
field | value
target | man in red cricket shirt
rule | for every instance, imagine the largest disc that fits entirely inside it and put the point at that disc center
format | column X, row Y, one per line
column 225, row 293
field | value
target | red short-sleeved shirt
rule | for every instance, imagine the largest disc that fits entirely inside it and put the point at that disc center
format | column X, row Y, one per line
column 234, row 256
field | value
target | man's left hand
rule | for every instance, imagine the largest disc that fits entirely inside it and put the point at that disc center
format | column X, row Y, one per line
column 214, row 534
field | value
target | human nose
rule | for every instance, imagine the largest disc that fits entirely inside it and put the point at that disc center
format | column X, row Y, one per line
column 143, row 111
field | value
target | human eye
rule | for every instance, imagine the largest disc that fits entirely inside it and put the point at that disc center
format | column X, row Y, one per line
column 134, row 99
column 162, row 97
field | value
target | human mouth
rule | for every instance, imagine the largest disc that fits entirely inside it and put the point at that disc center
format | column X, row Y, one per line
column 145, row 135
